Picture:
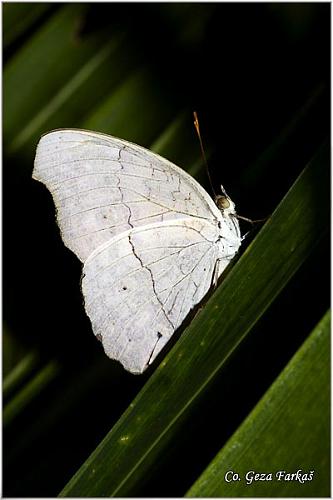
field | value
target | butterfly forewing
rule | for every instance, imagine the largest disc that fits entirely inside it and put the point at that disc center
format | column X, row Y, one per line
column 103, row 186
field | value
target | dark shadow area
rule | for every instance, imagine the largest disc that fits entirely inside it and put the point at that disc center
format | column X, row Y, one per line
column 259, row 77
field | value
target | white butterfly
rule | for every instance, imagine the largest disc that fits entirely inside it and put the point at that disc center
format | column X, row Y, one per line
column 151, row 239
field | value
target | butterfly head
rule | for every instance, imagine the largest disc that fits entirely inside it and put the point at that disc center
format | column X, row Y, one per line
column 224, row 203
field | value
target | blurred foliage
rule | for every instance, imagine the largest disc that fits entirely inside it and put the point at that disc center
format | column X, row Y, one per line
column 259, row 77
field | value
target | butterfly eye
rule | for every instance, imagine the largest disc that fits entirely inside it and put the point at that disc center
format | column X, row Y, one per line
column 222, row 202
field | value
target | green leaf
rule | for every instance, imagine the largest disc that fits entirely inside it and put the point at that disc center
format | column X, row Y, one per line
column 288, row 431
column 125, row 115
column 19, row 17
column 19, row 373
column 30, row 391
column 52, row 56
column 122, row 460
column 64, row 104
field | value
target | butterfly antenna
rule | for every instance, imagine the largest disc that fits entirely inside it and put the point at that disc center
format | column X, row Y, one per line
column 256, row 221
column 197, row 128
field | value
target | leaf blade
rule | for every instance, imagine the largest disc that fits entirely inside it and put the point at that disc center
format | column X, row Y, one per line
column 283, row 421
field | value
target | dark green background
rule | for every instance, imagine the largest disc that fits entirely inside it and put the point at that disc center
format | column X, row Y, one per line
column 259, row 77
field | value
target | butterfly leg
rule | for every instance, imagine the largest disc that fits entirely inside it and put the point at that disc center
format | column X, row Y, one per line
column 215, row 276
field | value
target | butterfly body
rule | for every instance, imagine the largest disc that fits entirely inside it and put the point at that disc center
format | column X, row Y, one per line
column 150, row 238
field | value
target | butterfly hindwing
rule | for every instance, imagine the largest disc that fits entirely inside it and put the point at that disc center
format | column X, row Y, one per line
column 140, row 286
